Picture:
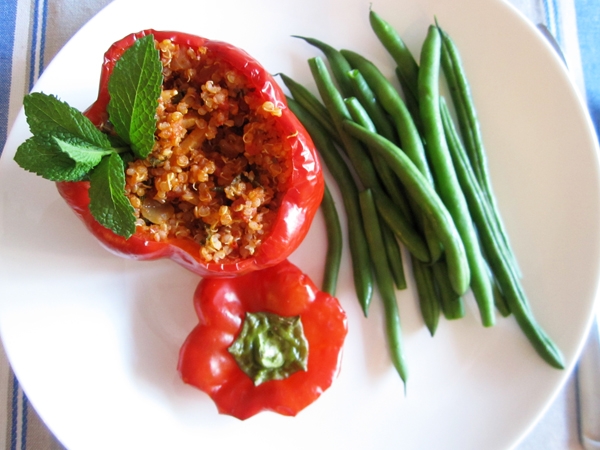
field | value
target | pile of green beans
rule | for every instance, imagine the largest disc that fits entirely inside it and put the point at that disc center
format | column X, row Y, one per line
column 409, row 178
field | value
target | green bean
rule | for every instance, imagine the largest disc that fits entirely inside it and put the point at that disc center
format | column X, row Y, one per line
column 334, row 243
column 338, row 64
column 367, row 98
column 419, row 188
column 408, row 68
column 461, row 94
column 459, row 106
column 311, row 103
column 459, row 155
column 363, row 164
column 470, row 127
column 394, row 256
column 387, row 176
column 500, row 301
column 448, row 186
column 412, row 103
column 359, row 251
column 385, row 283
column 359, row 114
column 499, row 262
column 519, row 306
column 453, row 306
column 390, row 100
column 428, row 299
column 433, row 244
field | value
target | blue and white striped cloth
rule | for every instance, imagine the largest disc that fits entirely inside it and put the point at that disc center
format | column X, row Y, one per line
column 33, row 31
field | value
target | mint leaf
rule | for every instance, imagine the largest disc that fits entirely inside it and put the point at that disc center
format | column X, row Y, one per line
column 82, row 152
column 108, row 203
column 47, row 115
column 44, row 157
column 134, row 88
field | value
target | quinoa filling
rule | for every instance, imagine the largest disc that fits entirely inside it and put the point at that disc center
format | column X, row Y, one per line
column 219, row 166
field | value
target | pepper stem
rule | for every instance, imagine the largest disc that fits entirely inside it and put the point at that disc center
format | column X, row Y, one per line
column 270, row 347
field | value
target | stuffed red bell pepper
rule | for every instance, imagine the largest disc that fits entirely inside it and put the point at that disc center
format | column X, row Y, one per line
column 233, row 180
column 266, row 341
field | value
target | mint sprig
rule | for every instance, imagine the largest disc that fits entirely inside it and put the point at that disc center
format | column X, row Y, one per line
column 67, row 146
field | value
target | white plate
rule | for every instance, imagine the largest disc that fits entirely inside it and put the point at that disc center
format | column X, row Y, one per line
column 94, row 339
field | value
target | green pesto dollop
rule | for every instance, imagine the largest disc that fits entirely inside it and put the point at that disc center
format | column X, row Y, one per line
column 270, row 347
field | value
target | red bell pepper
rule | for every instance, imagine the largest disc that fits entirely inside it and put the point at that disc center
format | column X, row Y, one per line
column 206, row 358
column 300, row 201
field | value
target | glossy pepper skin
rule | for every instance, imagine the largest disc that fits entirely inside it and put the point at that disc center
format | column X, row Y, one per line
column 221, row 304
column 299, row 205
